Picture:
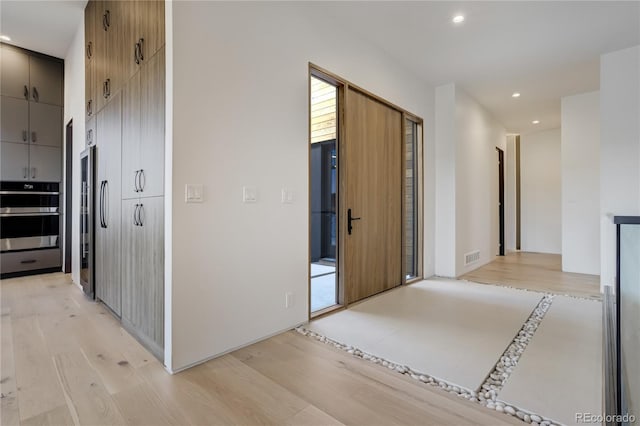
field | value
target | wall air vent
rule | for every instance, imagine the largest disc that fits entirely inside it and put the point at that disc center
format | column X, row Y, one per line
column 471, row 257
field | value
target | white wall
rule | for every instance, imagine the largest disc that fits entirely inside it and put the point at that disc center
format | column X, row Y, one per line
column 540, row 192
column 619, row 149
column 74, row 109
column 580, row 147
column 510, row 194
column 466, row 181
column 445, row 170
column 240, row 117
column 477, row 218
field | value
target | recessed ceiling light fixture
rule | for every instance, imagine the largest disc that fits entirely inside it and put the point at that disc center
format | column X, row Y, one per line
column 5, row 38
column 458, row 19
column 536, row 122
column 515, row 95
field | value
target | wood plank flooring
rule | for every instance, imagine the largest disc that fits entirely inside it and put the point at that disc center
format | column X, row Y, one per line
column 66, row 360
column 536, row 271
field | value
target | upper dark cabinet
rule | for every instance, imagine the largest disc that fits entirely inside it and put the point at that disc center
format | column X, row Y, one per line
column 46, row 77
column 14, row 80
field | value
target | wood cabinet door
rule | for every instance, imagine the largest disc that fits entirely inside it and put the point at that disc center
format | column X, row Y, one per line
column 129, row 261
column 89, row 31
column 150, row 296
column 150, row 27
column 109, row 203
column 152, row 122
column 45, row 124
column 14, row 72
column 100, row 59
column 14, row 161
column 131, row 138
column 46, row 78
column 91, row 134
column 45, row 163
column 14, row 120
column 90, row 91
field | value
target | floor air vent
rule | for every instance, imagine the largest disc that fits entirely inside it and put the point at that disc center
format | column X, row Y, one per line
column 471, row 257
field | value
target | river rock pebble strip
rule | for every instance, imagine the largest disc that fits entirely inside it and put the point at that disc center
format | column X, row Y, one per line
column 488, row 392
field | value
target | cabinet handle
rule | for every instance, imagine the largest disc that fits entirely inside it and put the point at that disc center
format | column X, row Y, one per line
column 143, row 180
column 89, row 137
column 89, row 108
column 136, row 53
column 36, row 95
column 89, row 50
column 25, row 136
column 106, row 88
column 140, row 215
column 24, row 172
column 106, row 20
column 34, row 139
column 100, row 205
column 26, row 92
column 135, row 181
column 26, row 262
column 141, row 48
column 106, row 204
column 33, row 172
column 135, row 215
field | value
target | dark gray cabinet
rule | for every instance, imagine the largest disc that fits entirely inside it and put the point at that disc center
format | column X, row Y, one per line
column 46, row 80
column 108, row 202
column 143, row 270
column 31, row 115
column 14, row 78
column 45, row 124
column 14, row 116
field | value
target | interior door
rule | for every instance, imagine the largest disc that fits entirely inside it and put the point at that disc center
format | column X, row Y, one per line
column 373, row 195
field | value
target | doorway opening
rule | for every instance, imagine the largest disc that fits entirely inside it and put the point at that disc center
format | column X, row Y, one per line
column 500, row 201
column 68, row 185
column 323, row 182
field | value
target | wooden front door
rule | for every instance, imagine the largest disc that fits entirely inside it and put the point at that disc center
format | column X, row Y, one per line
column 372, row 203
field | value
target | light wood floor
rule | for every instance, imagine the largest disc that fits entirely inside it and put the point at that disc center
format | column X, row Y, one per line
column 65, row 361
column 536, row 271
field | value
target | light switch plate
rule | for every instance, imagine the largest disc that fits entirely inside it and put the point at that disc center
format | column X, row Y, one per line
column 193, row 193
column 287, row 196
column 249, row 194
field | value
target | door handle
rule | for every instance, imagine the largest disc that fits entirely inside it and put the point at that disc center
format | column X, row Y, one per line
column 26, row 92
column 349, row 220
column 36, row 95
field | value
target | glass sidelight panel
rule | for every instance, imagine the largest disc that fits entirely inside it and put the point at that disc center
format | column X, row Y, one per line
column 323, row 194
column 411, row 173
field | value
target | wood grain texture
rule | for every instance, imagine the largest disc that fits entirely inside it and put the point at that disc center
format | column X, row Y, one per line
column 373, row 177
column 536, row 271
column 287, row 379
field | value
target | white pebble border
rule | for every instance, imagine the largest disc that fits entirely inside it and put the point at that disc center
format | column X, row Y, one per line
column 488, row 392
column 573, row 296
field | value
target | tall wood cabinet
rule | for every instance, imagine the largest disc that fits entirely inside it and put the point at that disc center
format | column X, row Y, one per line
column 125, row 103
column 108, row 181
column 31, row 115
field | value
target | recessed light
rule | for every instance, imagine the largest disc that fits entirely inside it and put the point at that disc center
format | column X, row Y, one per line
column 458, row 19
column 536, row 122
column 5, row 38
column 515, row 95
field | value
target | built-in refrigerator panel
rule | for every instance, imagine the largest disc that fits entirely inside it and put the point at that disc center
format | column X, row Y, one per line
column 87, row 235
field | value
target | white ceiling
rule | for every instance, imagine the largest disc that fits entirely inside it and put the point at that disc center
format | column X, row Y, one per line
column 544, row 50
column 43, row 26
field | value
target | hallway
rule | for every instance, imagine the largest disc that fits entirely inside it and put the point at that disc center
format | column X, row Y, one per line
column 538, row 272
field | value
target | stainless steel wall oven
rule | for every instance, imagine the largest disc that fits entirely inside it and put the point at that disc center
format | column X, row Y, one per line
column 30, row 227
